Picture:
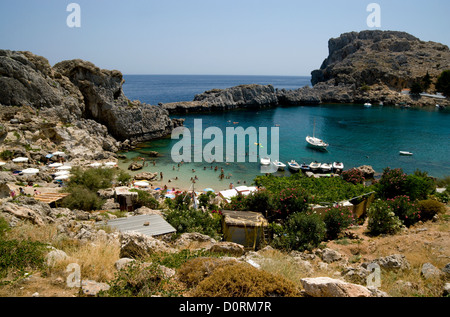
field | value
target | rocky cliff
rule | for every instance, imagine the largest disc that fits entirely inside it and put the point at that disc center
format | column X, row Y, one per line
column 394, row 59
column 74, row 105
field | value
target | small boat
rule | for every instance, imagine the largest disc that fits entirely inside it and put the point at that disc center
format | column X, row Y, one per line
column 326, row 167
column 315, row 166
column 294, row 166
column 338, row 166
column 265, row 161
column 305, row 167
column 405, row 153
column 281, row 166
column 316, row 143
column 367, row 105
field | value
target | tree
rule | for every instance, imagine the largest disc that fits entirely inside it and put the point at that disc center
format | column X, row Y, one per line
column 426, row 82
column 416, row 88
column 443, row 83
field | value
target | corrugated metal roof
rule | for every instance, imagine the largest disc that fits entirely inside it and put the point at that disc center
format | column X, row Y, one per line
column 156, row 225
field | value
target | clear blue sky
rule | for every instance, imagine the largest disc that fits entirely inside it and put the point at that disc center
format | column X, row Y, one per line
column 234, row 37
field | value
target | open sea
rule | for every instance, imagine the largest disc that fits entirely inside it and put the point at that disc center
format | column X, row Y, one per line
column 357, row 135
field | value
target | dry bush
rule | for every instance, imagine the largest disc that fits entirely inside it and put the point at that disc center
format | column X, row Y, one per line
column 196, row 270
column 243, row 280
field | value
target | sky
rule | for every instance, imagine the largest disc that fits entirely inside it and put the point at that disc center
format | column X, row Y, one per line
column 207, row 37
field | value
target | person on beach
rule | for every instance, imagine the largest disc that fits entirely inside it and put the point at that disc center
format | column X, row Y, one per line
column 161, row 175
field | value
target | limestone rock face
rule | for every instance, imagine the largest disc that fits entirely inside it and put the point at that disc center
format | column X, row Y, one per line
column 395, row 59
column 29, row 80
column 106, row 103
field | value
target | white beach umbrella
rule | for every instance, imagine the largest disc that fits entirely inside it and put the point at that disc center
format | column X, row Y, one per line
column 142, row 184
column 64, row 168
column 20, row 160
column 55, row 165
column 110, row 163
column 61, row 177
column 30, row 171
column 95, row 164
column 2, row 163
column 62, row 173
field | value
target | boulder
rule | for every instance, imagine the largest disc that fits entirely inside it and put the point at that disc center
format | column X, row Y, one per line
column 193, row 238
column 429, row 271
column 227, row 248
column 133, row 245
column 328, row 287
column 329, row 255
column 55, row 256
column 92, row 288
column 149, row 176
column 393, row 262
column 122, row 263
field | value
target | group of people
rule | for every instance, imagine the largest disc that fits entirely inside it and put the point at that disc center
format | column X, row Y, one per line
column 22, row 192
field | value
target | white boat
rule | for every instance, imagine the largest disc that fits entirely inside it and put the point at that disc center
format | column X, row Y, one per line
column 294, row 166
column 338, row 166
column 265, row 161
column 315, row 166
column 281, row 166
column 367, row 105
column 326, row 167
column 314, row 142
column 404, row 153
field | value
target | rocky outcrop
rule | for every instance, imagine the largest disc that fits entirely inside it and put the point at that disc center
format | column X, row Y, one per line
column 239, row 97
column 395, row 59
column 53, row 104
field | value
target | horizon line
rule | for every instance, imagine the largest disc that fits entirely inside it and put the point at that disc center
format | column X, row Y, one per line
column 215, row 75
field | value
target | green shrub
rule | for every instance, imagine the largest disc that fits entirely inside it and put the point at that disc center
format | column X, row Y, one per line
column 291, row 200
column 6, row 155
column 93, row 179
column 419, row 186
column 382, row 219
column 4, row 227
column 83, row 199
column 145, row 199
column 21, row 255
column 123, row 177
column 140, row 280
column 243, row 280
column 191, row 220
column 337, row 219
column 405, row 209
column 260, row 201
column 301, row 232
column 354, row 176
column 392, row 183
column 430, row 208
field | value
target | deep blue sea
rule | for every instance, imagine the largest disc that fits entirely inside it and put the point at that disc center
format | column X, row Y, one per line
column 357, row 135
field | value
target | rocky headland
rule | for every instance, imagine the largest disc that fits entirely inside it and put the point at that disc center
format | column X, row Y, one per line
column 369, row 66
column 73, row 106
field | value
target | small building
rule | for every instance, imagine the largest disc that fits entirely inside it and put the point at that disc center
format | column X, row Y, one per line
column 245, row 227
column 151, row 225
column 125, row 198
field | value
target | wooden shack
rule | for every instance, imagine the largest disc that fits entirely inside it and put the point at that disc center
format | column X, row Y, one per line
column 244, row 227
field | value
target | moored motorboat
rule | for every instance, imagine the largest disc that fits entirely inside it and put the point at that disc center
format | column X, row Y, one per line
column 294, row 166
column 367, row 105
column 305, row 167
column 338, row 166
column 265, row 161
column 405, row 153
column 280, row 166
column 315, row 166
column 326, row 167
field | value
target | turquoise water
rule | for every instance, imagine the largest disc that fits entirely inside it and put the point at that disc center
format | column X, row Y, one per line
column 357, row 136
